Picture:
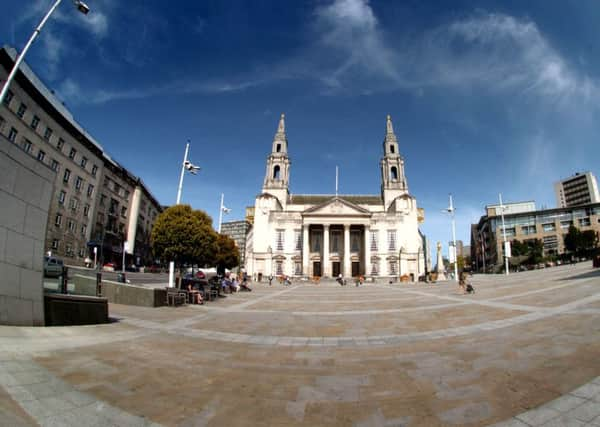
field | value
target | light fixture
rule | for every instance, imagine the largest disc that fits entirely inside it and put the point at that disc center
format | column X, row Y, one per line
column 82, row 7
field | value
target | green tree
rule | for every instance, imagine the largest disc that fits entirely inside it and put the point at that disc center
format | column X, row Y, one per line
column 227, row 254
column 518, row 248
column 573, row 239
column 184, row 236
column 536, row 251
column 588, row 240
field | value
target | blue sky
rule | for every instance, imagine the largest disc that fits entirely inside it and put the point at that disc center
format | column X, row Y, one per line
column 486, row 96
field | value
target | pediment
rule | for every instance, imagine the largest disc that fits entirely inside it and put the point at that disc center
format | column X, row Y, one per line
column 336, row 206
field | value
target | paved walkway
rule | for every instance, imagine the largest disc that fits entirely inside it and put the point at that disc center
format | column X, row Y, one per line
column 523, row 351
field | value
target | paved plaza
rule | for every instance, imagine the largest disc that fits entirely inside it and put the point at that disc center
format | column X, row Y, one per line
column 524, row 350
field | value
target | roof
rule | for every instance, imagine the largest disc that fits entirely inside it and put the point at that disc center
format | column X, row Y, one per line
column 317, row 199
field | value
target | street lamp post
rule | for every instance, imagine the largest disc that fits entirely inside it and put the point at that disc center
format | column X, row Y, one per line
column 506, row 246
column 222, row 210
column 451, row 210
column 193, row 169
column 81, row 6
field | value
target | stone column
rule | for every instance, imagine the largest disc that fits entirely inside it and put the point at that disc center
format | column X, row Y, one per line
column 367, row 253
column 325, row 264
column 305, row 250
column 347, row 266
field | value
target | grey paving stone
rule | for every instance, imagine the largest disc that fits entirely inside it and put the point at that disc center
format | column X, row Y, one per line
column 564, row 421
column 587, row 391
column 513, row 422
column 539, row 416
column 586, row 412
column 564, row 403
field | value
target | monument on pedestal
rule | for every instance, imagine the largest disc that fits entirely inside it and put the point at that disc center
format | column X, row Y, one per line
column 439, row 268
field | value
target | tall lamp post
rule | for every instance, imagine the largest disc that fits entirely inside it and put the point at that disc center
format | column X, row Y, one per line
column 504, row 242
column 451, row 210
column 81, row 6
column 222, row 210
column 193, row 169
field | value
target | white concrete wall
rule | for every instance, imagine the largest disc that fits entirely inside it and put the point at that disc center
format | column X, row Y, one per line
column 26, row 188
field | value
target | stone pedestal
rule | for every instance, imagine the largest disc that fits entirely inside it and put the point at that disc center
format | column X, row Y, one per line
column 439, row 268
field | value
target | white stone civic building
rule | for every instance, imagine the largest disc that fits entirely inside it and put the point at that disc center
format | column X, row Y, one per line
column 326, row 235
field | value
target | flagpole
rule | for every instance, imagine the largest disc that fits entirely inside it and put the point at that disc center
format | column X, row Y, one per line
column 336, row 181
column 179, row 188
column 221, row 212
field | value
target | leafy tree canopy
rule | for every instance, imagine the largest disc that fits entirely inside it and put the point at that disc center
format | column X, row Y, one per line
column 228, row 254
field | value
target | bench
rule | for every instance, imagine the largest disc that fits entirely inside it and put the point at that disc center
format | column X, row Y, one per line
column 176, row 296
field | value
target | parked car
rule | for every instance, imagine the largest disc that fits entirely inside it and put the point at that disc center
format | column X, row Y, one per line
column 110, row 266
column 53, row 267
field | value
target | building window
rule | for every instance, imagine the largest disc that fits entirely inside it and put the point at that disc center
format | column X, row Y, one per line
column 72, row 225
column 27, row 145
column 375, row 268
column 58, row 220
column 528, row 229
column 276, row 173
column 41, row 155
column 61, row 197
column 279, row 268
column 90, row 189
column 81, row 253
column 298, row 239
column 86, row 210
column 315, row 241
column 394, row 173
column 21, row 110
column 355, row 241
column 72, row 153
column 392, row 150
column 549, row 227
column 83, row 229
column 374, row 241
column 391, row 240
column 35, row 121
column 124, row 211
column 279, row 235
column 297, row 268
column 334, row 245
column 584, row 222
column 83, row 162
column 510, row 232
column 565, row 224
column 2, row 122
column 8, row 97
column 69, row 250
column 392, row 268
column 47, row 134
column 94, row 170
column 78, row 183
column 12, row 135
column 54, row 165
column 73, row 204
column 60, row 144
column 54, row 243
column 66, row 175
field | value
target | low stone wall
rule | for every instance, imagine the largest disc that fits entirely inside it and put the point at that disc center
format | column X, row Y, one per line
column 119, row 293
column 65, row 310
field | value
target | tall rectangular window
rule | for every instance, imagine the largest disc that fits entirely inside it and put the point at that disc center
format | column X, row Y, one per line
column 83, row 162
column 66, row 175
column 58, row 220
column 86, row 210
column 94, row 170
column 12, row 135
column 392, row 268
column 74, row 204
column 279, row 268
column 72, row 153
column 47, row 134
column 27, row 145
column 60, row 144
column 279, row 236
column 297, row 268
column 298, row 239
column 375, row 268
column 72, row 225
column 373, row 241
column 61, row 197
column 83, row 229
column 54, row 243
column 54, row 165
column 334, row 242
column 8, row 97
column 21, row 110
column 391, row 240
column 41, row 155
column 90, row 189
column 78, row 182
column 35, row 121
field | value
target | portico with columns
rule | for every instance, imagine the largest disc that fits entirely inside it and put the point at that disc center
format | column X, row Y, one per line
column 308, row 235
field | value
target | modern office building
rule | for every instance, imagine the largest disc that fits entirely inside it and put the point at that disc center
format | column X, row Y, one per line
column 548, row 225
column 33, row 119
column 238, row 231
column 331, row 234
column 576, row 190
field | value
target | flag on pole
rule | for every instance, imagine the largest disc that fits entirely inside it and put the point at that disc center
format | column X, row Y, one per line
column 336, row 180
column 225, row 210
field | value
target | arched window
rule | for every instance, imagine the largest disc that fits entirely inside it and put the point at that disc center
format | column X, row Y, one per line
column 394, row 173
column 276, row 173
column 278, row 148
column 392, row 149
